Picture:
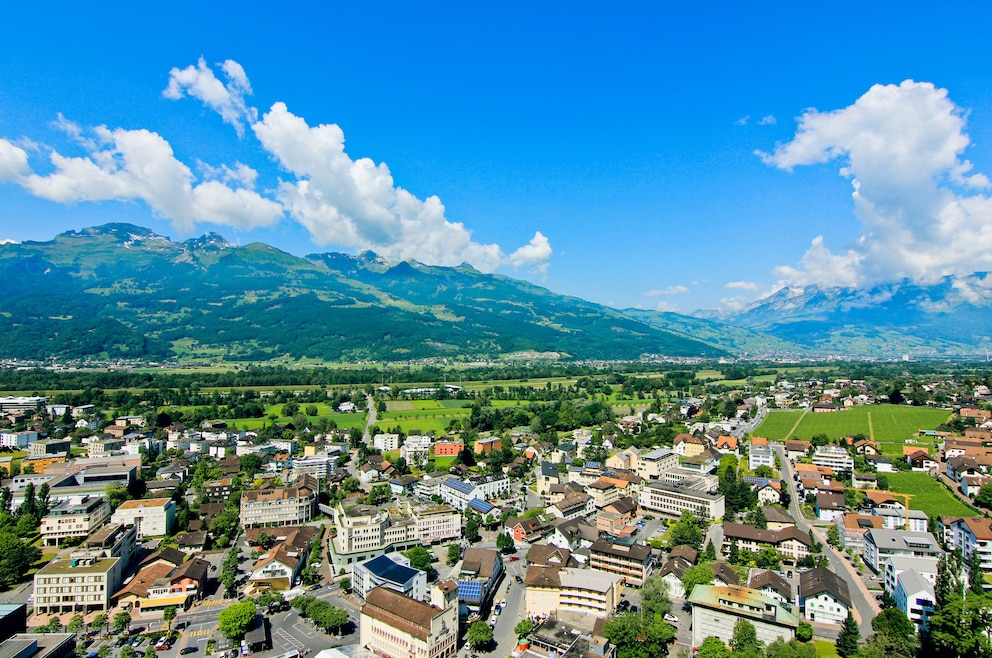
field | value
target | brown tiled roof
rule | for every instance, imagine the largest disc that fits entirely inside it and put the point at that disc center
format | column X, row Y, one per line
column 738, row 530
column 480, row 561
column 723, row 571
column 195, row 569
column 625, row 505
column 173, row 556
column 687, row 553
column 773, row 580
column 401, row 612
column 144, row 579
column 538, row 576
column 777, row 515
column 549, row 555
column 636, row 552
column 821, row 579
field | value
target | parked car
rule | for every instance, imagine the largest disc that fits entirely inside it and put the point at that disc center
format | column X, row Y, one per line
column 519, row 579
column 513, row 558
column 315, row 587
column 671, row 618
column 189, row 649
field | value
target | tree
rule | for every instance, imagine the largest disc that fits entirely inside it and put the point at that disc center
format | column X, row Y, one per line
column 713, row 647
column 847, row 640
column 122, row 622
column 76, row 624
column 639, row 636
column 105, row 651
column 833, row 536
column 345, row 584
column 235, row 619
column 479, row 635
column 686, row 532
column 127, row 652
column 805, row 631
column 44, row 498
column 654, row 596
column 764, row 471
column 898, row 629
column 420, row 558
column 168, row 614
column 251, row 464
column 745, row 637
column 756, row 518
column 101, row 621
column 454, row 553
column 699, row 574
column 16, row 557
column 709, row 555
column 116, row 494
column 791, row 649
column 379, row 494
column 769, row 558
column 976, row 578
column 523, row 627
column 472, row 530
column 984, row 497
column 505, row 543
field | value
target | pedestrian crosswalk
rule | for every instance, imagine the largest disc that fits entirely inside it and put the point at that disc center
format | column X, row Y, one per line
column 206, row 631
column 214, row 602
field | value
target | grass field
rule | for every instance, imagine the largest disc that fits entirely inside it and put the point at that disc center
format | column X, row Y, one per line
column 929, row 495
column 825, row 649
column 889, row 425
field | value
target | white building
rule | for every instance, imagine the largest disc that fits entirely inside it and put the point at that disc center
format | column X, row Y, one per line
column 76, row 517
column 396, row 626
column 152, row 517
column 894, row 565
column 17, row 440
column 392, row 571
column 823, row 596
column 914, row 596
column 717, row 609
column 833, row 457
column 585, row 591
column 386, row 442
column 972, row 534
column 416, row 449
column 881, row 543
column 672, row 500
column 760, row 455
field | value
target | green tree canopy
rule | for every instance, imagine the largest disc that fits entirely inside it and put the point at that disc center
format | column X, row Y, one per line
column 234, row 620
column 479, row 635
column 420, row 558
column 713, row 647
column 850, row 635
column 122, row 621
column 639, row 636
column 699, row 574
column 745, row 638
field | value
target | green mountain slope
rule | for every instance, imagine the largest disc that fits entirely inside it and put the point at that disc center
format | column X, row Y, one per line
column 738, row 341
column 120, row 291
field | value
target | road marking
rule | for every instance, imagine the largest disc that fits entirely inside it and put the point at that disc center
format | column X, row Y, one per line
column 206, row 631
column 303, row 628
column 288, row 640
column 212, row 602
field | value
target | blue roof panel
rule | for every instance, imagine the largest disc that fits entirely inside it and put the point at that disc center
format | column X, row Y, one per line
column 481, row 506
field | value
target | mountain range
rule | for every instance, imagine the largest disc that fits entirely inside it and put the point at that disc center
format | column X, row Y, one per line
column 121, row 291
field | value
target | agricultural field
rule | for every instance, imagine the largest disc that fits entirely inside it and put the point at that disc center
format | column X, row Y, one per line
column 889, row 425
column 929, row 495
column 423, row 415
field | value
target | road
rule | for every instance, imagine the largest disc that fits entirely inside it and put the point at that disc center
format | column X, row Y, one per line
column 370, row 423
column 750, row 425
column 863, row 600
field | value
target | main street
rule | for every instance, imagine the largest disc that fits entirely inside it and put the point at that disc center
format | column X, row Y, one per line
column 863, row 601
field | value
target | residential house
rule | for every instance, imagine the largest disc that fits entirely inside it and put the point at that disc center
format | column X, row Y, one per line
column 852, row 528
column 881, row 543
column 760, row 455
column 688, row 445
column 392, row 571
column 278, row 506
column 833, row 457
column 633, row 562
column 477, row 580
column 583, row 591
column 794, row 450
column 76, row 516
column 771, row 584
column 823, row 596
column 830, row 506
column 790, row 541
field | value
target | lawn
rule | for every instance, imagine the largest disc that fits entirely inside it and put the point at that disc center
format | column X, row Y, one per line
column 826, row 649
column 777, row 424
column 889, row 425
column 929, row 495
column 444, row 463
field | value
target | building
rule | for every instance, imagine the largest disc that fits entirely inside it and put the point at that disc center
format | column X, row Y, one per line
column 970, row 534
column 790, row 541
column 366, row 531
column 564, row 589
column 392, row 571
column 416, row 449
column 852, row 529
column 386, row 442
column 716, row 609
column 272, row 506
column 480, row 573
column 77, row 584
column 834, row 458
column 689, row 445
column 152, row 517
column 436, row 523
column 689, row 495
column 651, row 465
column 448, row 448
column 894, row 565
column 162, row 584
column 17, row 440
column 823, row 596
column 573, row 506
column 35, row 645
column 491, row 486
column 49, row 447
column 218, row 491
column 603, row 493
column 633, row 562
column 881, row 543
column 487, row 445
column 396, row 626
column 760, row 455
column 457, row 493
column 914, row 595
column 77, row 516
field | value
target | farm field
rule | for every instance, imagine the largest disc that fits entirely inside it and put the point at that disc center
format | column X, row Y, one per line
column 889, row 425
column 929, row 495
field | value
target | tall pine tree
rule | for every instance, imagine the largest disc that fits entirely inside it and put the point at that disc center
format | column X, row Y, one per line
column 850, row 635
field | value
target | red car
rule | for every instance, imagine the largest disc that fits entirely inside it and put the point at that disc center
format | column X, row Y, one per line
column 514, row 558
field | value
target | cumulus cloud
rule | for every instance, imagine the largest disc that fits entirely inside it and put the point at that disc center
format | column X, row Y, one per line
column 13, row 161
column 921, row 206
column 128, row 165
column 670, row 290
column 768, row 120
column 665, row 307
column 743, row 120
column 225, row 98
column 741, row 285
column 352, row 203
column 355, row 202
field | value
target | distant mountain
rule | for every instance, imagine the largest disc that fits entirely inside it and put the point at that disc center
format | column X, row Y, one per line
column 121, row 291
column 738, row 341
column 952, row 316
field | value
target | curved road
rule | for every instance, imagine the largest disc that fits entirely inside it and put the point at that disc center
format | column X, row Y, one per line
column 864, row 602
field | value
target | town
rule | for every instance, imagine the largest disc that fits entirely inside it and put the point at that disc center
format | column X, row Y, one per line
column 697, row 511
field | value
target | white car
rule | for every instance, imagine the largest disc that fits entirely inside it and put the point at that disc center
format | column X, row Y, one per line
column 671, row 618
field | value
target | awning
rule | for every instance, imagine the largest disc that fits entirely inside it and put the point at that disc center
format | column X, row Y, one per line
column 164, row 601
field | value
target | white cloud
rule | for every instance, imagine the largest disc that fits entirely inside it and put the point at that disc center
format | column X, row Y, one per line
column 356, row 204
column 8, row 241
column 13, row 161
column 733, row 304
column 914, row 194
column 741, row 285
column 768, row 120
column 140, row 165
column 227, row 99
column 670, row 290
column 665, row 307
column 743, row 120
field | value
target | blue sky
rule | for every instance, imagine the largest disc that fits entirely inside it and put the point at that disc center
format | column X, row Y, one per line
column 649, row 155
